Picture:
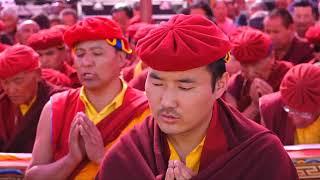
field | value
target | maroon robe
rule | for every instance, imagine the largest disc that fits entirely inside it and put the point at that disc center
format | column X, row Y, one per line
column 65, row 106
column 239, row 88
column 314, row 61
column 253, row 152
column 276, row 119
column 139, row 81
column 20, row 138
column 299, row 52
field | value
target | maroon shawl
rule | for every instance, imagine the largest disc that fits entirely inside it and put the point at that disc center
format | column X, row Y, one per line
column 253, row 153
column 299, row 52
column 276, row 119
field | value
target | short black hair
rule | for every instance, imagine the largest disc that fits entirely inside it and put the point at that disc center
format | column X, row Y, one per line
column 126, row 8
column 42, row 20
column 204, row 6
column 306, row 3
column 284, row 14
column 217, row 69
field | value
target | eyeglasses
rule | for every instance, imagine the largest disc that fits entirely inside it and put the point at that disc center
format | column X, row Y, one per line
column 305, row 115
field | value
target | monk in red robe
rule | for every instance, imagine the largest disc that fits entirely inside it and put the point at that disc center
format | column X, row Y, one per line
column 24, row 95
column 78, row 126
column 294, row 113
column 133, row 71
column 53, row 53
column 260, row 74
column 286, row 45
column 193, row 133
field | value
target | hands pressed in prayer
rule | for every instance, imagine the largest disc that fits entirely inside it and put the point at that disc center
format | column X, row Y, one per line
column 76, row 149
column 258, row 88
column 178, row 170
column 92, row 139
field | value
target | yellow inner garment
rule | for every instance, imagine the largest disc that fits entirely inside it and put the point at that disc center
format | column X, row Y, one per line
column 192, row 160
column 24, row 108
column 309, row 134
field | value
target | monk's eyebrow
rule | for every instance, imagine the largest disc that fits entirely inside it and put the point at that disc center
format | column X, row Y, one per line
column 95, row 48
column 154, row 76
column 186, row 80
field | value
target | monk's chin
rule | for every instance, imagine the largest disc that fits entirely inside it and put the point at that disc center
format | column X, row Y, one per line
column 169, row 129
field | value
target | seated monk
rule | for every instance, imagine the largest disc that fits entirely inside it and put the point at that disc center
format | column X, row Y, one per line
column 260, row 73
column 192, row 132
column 133, row 71
column 313, row 36
column 294, row 113
column 78, row 126
column 25, row 94
column 286, row 44
column 53, row 54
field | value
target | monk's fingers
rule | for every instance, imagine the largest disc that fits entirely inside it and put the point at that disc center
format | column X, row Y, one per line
column 169, row 174
column 171, row 164
column 85, row 135
column 88, row 124
column 181, row 172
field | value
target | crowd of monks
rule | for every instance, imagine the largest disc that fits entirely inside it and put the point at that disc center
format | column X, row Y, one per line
column 194, row 97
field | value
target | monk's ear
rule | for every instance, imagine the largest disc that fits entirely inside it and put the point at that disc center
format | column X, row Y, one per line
column 121, row 58
column 221, row 85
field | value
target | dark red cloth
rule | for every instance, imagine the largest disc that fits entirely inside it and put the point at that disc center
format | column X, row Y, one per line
column 45, row 39
column 94, row 28
column 72, row 74
column 250, row 45
column 55, row 77
column 239, row 88
column 299, row 52
column 139, row 81
column 3, row 47
column 300, row 88
column 67, row 104
column 16, row 59
column 184, row 42
column 20, row 138
column 276, row 119
column 253, row 153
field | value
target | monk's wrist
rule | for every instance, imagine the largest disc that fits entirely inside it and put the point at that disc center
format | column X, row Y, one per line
column 72, row 159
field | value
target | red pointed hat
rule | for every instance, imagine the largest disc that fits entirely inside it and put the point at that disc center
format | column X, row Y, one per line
column 250, row 45
column 16, row 59
column 300, row 88
column 184, row 42
column 97, row 28
column 46, row 39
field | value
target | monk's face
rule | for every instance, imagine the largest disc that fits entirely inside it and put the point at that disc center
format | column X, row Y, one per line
column 25, row 31
column 181, row 102
column 22, row 87
column 301, row 119
column 259, row 69
column 303, row 19
column 97, row 63
column 52, row 58
column 280, row 35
